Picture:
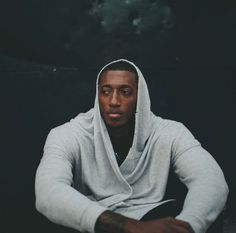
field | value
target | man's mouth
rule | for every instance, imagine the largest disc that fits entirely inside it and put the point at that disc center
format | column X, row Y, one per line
column 114, row 114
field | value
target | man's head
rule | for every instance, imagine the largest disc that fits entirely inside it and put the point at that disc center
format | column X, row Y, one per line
column 117, row 94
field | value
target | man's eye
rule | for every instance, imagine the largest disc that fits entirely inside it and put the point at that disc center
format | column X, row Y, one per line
column 125, row 92
column 106, row 92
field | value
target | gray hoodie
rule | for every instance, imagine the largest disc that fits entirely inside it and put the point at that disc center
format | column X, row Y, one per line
column 78, row 177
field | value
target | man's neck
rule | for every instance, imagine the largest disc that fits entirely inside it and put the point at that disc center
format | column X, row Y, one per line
column 122, row 139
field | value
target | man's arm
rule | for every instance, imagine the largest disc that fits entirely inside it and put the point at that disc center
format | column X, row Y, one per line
column 207, row 188
column 111, row 222
column 55, row 197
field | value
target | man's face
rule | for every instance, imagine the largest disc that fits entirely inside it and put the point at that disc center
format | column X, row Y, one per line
column 117, row 96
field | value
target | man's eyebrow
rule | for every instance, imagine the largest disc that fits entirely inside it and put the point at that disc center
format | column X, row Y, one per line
column 125, row 86
column 120, row 86
column 104, row 85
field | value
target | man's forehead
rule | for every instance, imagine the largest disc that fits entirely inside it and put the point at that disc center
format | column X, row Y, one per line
column 118, row 76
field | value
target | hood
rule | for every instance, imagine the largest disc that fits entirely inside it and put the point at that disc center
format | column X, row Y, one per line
column 143, row 115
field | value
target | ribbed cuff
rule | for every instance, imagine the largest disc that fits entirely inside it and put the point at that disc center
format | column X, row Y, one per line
column 195, row 224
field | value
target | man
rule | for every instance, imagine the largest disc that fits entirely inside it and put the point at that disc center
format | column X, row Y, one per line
column 107, row 169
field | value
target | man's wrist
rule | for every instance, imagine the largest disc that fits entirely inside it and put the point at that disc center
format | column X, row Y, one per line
column 109, row 221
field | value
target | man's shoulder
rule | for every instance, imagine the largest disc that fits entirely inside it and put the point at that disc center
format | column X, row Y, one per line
column 167, row 125
column 171, row 131
column 81, row 122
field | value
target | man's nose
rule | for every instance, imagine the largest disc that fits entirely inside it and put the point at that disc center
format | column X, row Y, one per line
column 115, row 99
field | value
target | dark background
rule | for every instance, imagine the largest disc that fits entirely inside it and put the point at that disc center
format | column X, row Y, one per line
column 51, row 51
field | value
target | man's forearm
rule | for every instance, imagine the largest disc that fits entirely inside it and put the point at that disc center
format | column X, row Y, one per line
column 109, row 222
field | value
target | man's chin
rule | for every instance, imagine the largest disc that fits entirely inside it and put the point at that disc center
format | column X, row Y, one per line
column 119, row 123
column 115, row 125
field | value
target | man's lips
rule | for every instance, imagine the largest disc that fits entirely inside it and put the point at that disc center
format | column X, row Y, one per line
column 114, row 114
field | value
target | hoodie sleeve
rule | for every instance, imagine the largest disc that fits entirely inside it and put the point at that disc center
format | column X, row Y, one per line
column 55, row 196
column 207, row 188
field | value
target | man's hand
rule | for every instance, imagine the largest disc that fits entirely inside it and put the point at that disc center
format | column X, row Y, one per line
column 111, row 222
column 162, row 225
